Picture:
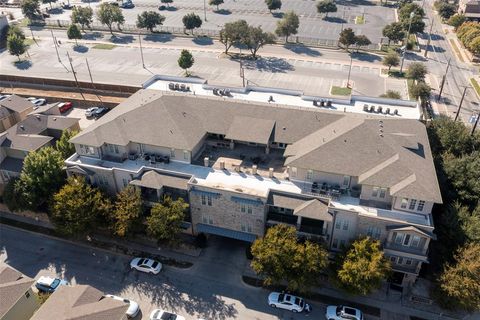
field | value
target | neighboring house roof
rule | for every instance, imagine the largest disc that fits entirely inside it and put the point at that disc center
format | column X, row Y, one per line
column 13, row 286
column 155, row 180
column 30, row 142
column 4, row 112
column 314, row 209
column 11, row 164
column 392, row 153
column 289, row 200
column 45, row 108
column 80, row 302
column 16, row 103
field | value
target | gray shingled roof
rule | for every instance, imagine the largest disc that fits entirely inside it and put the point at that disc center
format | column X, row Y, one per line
column 394, row 152
column 16, row 103
column 80, row 302
column 155, row 180
column 13, row 286
column 258, row 130
column 314, row 209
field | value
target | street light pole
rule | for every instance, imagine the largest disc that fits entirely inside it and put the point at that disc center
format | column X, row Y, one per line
column 429, row 38
column 475, row 125
column 349, row 71
column 141, row 50
column 412, row 14
column 461, row 102
column 443, row 81
column 55, row 44
column 205, row 10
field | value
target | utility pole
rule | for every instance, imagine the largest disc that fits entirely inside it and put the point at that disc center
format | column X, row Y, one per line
column 205, row 10
column 91, row 80
column 349, row 71
column 55, row 44
column 429, row 38
column 242, row 73
column 443, row 81
column 412, row 14
column 460, row 104
column 75, row 76
column 476, row 122
column 141, row 50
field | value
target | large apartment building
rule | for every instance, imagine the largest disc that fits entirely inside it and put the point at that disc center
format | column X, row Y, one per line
column 244, row 166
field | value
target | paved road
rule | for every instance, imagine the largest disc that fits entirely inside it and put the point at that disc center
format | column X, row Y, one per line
column 313, row 71
column 255, row 12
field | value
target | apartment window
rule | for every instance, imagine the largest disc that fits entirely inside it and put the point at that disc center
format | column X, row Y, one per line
column 185, row 155
column 125, row 182
column 404, row 203
column 207, row 219
column 172, row 153
column 338, row 223
column 342, row 243
column 27, row 294
column 110, row 147
column 294, row 171
column 310, row 175
column 375, row 192
column 406, row 240
column 249, row 209
column 346, row 180
column 91, row 150
column 335, row 243
column 400, row 260
column 204, row 199
column 393, row 259
column 242, row 207
column 408, row 262
column 345, row 225
column 116, row 148
column 415, row 241
column 399, row 238
column 383, row 192
column 412, row 205
column 420, row 206
column 373, row 232
column 209, row 200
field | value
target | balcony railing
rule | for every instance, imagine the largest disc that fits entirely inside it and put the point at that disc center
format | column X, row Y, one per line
column 407, row 249
column 312, row 230
column 284, row 218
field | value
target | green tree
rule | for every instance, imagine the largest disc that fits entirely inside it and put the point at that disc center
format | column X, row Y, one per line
column 394, row 32
column 460, row 281
column 42, row 175
column 391, row 60
column 165, row 220
column 74, row 33
column 127, row 212
column 469, row 222
column 420, row 90
column 449, row 136
column 279, row 256
column 191, row 21
column 273, row 4
column 361, row 41
column 77, row 206
column 15, row 30
column 12, row 196
column 149, row 20
column 416, row 71
column 446, row 10
column 63, row 144
column 232, row 33
column 49, row 2
column 417, row 25
column 363, row 267
column 30, row 8
column 464, row 175
column 405, row 11
column 16, row 45
column 185, row 61
column 288, row 25
column 474, row 46
column 256, row 38
column 83, row 16
column 347, row 38
column 167, row 2
column 391, row 94
column 215, row 3
column 457, row 20
column 326, row 6
column 108, row 14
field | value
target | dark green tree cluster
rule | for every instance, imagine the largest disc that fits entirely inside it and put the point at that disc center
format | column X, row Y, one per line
column 16, row 41
column 445, row 9
column 348, row 38
column 469, row 34
column 397, row 31
column 254, row 38
column 165, row 220
column 419, row 89
column 288, row 25
column 273, row 4
column 108, row 14
column 30, row 9
column 457, row 160
column 326, row 6
column 191, row 21
column 457, row 20
column 149, row 20
column 83, row 16
column 215, row 3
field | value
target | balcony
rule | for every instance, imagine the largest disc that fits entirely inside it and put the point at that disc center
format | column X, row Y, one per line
column 407, row 249
column 282, row 218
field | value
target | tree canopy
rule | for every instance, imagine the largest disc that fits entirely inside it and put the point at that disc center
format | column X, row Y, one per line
column 16, row 45
column 279, row 256
column 215, row 3
column 326, row 6
column 191, row 21
column 391, row 60
column 363, row 267
column 394, row 32
column 232, row 33
column 469, row 34
column 256, row 38
column 446, row 10
column 166, row 1
column 165, row 220
column 405, row 11
column 74, row 33
column 149, row 20
column 108, row 14
column 457, row 20
column 49, row 2
column 30, row 8
column 416, row 71
column 288, row 25
column 273, row 4
column 347, row 38
column 420, row 90
column 391, row 94
column 186, row 60
column 76, row 207
column 127, row 211
column 83, row 16
column 63, row 145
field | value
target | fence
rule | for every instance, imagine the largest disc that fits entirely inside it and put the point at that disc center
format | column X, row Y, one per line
column 212, row 33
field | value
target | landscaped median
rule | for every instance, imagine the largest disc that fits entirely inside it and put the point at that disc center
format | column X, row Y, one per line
column 475, row 86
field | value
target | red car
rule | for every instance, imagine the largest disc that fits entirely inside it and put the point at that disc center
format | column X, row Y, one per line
column 64, row 106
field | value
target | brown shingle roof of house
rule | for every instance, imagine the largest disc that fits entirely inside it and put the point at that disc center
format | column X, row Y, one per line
column 80, row 302
column 16, row 103
column 13, row 286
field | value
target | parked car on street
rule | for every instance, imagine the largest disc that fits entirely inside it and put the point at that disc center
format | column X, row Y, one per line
column 37, row 101
column 64, row 106
column 49, row 285
column 127, row 5
column 95, row 112
column 286, row 301
column 133, row 308
column 146, row 265
column 4, row 96
column 343, row 312
column 159, row 314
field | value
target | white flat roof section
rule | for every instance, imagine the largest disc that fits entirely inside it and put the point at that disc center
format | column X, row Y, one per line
column 356, row 104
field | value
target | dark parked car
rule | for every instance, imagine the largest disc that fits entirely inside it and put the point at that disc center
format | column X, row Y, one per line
column 128, row 5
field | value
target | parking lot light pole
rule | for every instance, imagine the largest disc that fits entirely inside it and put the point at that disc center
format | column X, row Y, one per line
column 205, row 10
column 412, row 14
column 349, row 71
column 141, row 50
column 461, row 102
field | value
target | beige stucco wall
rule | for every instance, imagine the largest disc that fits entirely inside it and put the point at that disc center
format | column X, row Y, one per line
column 346, row 235
column 24, row 308
column 367, row 192
column 397, row 201
column 18, row 154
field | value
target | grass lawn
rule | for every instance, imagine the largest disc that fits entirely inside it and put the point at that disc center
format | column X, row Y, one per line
column 456, row 49
column 359, row 20
column 104, row 46
column 340, row 91
column 475, row 85
column 395, row 73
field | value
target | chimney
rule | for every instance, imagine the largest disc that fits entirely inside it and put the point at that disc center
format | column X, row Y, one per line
column 270, row 172
column 206, row 161
column 254, row 169
column 222, row 165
